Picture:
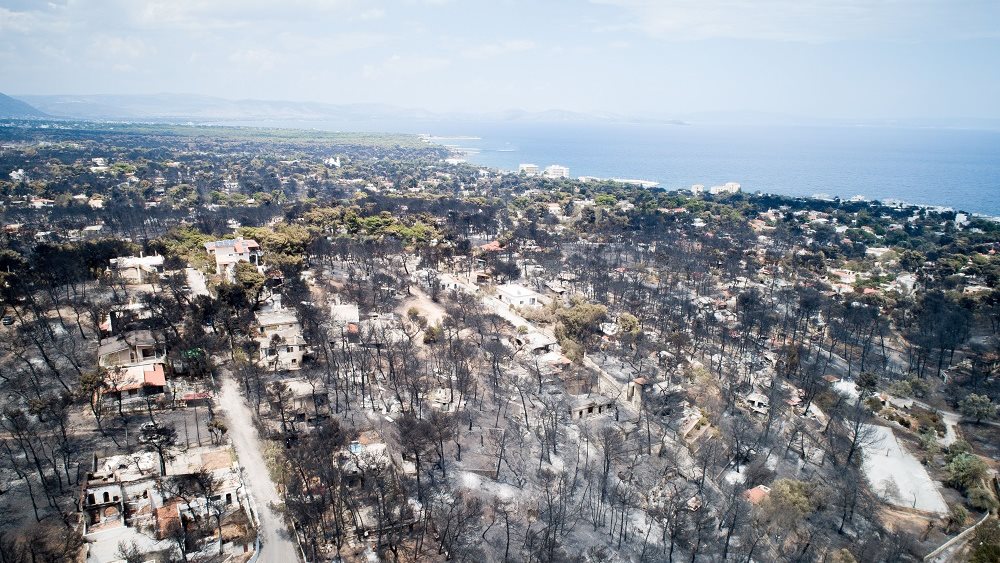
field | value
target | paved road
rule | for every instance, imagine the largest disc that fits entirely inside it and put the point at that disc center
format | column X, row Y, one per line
column 277, row 545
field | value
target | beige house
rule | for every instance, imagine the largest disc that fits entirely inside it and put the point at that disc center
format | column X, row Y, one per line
column 137, row 269
column 136, row 347
column 281, row 344
column 135, row 368
column 229, row 252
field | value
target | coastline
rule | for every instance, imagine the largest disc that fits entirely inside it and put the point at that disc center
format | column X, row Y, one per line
column 457, row 155
column 952, row 169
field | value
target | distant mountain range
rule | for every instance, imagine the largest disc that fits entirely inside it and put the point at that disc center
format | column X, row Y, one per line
column 185, row 107
column 207, row 109
column 12, row 107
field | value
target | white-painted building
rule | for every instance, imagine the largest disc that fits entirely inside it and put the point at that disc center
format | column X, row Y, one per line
column 727, row 188
column 556, row 171
column 280, row 340
column 343, row 314
column 518, row 295
column 528, row 169
column 282, row 350
column 277, row 320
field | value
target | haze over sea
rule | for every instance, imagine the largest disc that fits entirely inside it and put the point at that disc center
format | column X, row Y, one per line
column 958, row 168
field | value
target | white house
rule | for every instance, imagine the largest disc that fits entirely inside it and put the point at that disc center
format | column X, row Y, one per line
column 518, row 295
column 757, row 402
column 282, row 350
column 279, row 320
column 590, row 405
column 342, row 314
column 556, row 171
column 281, row 344
column 727, row 188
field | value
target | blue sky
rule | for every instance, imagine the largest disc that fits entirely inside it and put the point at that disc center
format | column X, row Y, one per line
column 821, row 58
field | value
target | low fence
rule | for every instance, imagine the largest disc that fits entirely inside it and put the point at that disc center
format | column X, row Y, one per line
column 256, row 550
column 960, row 537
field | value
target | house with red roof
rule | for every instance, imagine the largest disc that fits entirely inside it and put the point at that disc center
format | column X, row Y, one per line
column 135, row 368
column 229, row 252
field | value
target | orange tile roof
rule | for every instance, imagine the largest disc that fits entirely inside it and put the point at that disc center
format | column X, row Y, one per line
column 757, row 494
column 136, row 377
column 165, row 515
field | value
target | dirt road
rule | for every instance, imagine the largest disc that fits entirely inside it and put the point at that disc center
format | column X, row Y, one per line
column 196, row 280
column 278, row 546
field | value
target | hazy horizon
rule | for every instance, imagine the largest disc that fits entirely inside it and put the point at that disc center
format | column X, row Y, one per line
column 730, row 116
column 824, row 59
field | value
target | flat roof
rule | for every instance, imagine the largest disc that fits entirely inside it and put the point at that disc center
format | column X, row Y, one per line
column 516, row 290
column 134, row 338
column 135, row 377
column 238, row 245
column 279, row 317
column 133, row 261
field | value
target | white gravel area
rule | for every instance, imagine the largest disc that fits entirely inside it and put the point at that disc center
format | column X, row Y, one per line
column 898, row 476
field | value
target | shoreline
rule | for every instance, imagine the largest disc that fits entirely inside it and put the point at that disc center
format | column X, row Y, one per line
column 459, row 154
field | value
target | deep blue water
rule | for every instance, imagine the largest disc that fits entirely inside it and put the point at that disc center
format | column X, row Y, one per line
column 955, row 168
column 958, row 168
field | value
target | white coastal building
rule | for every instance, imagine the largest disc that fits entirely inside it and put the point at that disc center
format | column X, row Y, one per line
column 556, row 171
column 727, row 188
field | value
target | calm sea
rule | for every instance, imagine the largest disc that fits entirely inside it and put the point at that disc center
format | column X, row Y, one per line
column 955, row 168
column 958, row 168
